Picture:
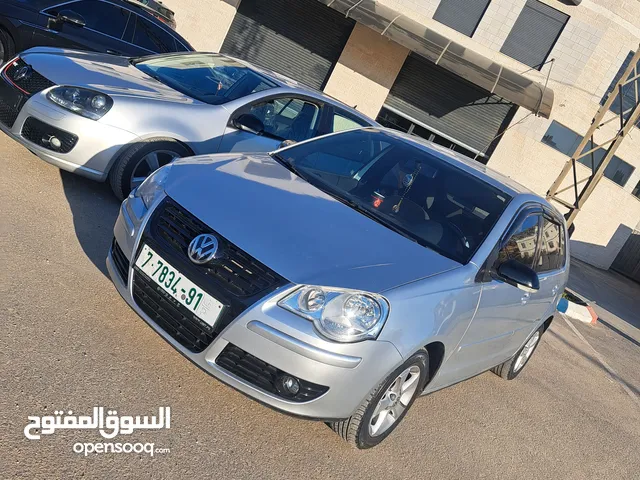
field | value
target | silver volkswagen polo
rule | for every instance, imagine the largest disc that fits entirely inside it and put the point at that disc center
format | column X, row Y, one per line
column 342, row 277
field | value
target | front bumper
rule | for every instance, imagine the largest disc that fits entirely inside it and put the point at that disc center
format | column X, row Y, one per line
column 95, row 149
column 275, row 336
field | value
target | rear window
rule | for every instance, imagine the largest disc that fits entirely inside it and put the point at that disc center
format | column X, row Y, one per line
column 404, row 187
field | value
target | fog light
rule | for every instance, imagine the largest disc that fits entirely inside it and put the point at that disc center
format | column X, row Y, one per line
column 55, row 142
column 288, row 385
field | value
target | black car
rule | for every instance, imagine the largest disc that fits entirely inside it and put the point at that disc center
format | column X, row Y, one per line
column 110, row 26
column 158, row 10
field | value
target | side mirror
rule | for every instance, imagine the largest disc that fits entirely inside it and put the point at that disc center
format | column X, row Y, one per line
column 69, row 16
column 249, row 123
column 519, row 275
column 286, row 143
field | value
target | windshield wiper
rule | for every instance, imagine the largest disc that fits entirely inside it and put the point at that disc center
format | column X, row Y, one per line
column 287, row 164
column 378, row 218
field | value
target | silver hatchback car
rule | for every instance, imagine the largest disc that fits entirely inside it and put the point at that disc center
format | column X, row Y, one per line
column 342, row 277
column 115, row 118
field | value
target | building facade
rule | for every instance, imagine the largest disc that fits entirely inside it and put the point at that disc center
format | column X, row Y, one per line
column 428, row 67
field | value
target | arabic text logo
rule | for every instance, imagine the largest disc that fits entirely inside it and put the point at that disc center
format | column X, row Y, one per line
column 109, row 426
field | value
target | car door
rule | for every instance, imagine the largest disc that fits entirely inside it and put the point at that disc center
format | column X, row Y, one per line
column 20, row 20
column 551, row 264
column 286, row 117
column 100, row 27
column 505, row 315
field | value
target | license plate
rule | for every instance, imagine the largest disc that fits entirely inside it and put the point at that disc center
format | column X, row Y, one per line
column 187, row 293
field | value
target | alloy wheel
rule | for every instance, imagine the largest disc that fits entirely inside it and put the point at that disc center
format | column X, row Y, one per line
column 526, row 352
column 150, row 163
column 395, row 401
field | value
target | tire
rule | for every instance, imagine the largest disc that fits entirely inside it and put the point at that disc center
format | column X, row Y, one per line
column 355, row 429
column 7, row 47
column 131, row 160
column 512, row 368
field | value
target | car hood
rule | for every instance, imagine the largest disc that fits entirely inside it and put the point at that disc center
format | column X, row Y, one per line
column 110, row 74
column 294, row 228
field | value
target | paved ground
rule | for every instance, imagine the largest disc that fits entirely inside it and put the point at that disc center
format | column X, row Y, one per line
column 69, row 342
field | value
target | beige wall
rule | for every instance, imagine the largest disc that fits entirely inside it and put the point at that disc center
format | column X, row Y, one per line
column 366, row 70
column 204, row 23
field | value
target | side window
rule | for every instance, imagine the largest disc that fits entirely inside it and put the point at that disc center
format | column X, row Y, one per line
column 288, row 118
column 552, row 248
column 521, row 246
column 95, row 13
column 341, row 121
column 149, row 36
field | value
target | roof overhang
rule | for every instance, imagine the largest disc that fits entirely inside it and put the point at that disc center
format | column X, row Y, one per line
column 452, row 56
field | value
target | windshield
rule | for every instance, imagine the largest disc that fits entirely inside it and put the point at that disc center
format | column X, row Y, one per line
column 402, row 187
column 210, row 78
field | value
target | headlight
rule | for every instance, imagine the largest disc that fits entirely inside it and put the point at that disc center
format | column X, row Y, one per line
column 153, row 186
column 88, row 103
column 340, row 315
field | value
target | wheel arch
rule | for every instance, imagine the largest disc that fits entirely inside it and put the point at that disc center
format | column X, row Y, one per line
column 8, row 29
column 144, row 138
column 436, row 357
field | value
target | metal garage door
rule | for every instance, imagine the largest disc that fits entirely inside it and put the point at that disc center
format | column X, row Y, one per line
column 449, row 105
column 628, row 260
column 302, row 39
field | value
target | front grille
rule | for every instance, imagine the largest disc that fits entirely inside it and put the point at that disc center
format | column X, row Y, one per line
column 236, row 271
column 8, row 114
column 42, row 134
column 169, row 232
column 32, row 83
column 172, row 317
column 12, row 99
column 264, row 376
column 120, row 261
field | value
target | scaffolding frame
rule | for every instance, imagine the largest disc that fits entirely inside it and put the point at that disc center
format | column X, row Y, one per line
column 626, row 118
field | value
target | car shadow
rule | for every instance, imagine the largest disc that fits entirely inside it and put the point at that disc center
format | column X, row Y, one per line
column 94, row 209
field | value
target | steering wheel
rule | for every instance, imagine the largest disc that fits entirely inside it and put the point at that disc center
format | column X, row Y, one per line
column 460, row 236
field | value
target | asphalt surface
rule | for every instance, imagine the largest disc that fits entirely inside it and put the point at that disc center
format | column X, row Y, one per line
column 70, row 342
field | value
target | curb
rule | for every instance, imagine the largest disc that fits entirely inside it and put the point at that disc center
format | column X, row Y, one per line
column 576, row 308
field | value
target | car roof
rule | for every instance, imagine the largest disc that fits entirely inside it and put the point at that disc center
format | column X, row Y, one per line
column 152, row 7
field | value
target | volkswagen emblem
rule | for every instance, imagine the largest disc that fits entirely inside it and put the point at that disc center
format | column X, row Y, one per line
column 203, row 248
column 24, row 72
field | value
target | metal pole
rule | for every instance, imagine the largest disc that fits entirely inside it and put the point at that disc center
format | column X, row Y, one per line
column 614, row 143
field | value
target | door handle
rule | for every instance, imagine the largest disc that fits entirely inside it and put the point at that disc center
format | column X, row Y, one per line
column 113, row 52
column 525, row 298
column 554, row 290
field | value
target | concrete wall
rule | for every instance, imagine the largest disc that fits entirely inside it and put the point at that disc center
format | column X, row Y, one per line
column 597, row 38
column 204, row 23
column 366, row 70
